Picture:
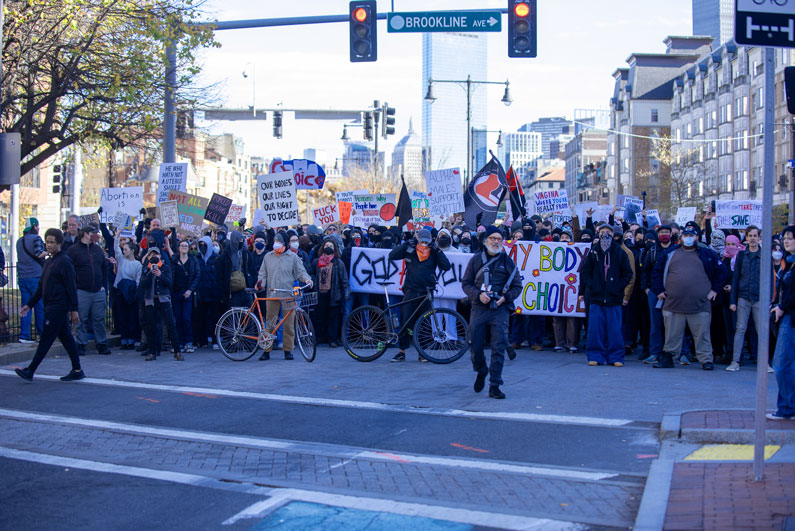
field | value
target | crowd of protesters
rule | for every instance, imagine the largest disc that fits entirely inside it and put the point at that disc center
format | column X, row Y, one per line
column 668, row 293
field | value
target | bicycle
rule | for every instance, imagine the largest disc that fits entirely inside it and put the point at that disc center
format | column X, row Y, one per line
column 241, row 332
column 439, row 334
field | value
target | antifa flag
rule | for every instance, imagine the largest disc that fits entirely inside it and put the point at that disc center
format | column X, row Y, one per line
column 516, row 194
column 404, row 211
column 484, row 194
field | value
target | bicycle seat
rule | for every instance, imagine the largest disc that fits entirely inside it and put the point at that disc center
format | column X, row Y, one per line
column 384, row 283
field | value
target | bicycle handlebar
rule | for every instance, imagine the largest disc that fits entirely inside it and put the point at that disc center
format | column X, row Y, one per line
column 255, row 290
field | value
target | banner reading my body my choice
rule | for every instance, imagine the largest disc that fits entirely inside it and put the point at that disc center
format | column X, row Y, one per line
column 550, row 276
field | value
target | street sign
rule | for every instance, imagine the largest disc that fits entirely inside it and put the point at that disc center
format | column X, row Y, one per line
column 765, row 22
column 440, row 21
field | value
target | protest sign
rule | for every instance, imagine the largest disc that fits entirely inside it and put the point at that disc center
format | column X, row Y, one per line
column 345, row 208
column 420, row 211
column 236, row 212
column 217, row 209
column 258, row 218
column 88, row 219
column 169, row 214
column 444, row 191
column 277, row 197
column 652, row 218
column 582, row 208
column 632, row 206
column 685, row 214
column 307, row 174
column 191, row 209
column 738, row 214
column 373, row 209
column 348, row 196
column 326, row 215
column 551, row 201
column 559, row 218
column 550, row 274
column 172, row 176
column 122, row 220
column 112, row 200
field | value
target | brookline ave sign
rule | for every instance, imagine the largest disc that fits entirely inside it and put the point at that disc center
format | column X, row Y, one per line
column 440, row 21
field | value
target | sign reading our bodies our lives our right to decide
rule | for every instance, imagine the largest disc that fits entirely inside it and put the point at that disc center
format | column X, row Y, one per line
column 550, row 274
column 277, row 198
column 738, row 214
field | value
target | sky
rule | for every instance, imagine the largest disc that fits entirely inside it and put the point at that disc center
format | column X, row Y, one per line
column 580, row 44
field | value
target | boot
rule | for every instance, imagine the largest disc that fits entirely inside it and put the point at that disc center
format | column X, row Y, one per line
column 178, row 356
column 665, row 361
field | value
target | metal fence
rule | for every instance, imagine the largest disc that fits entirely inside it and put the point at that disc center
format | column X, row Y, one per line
column 10, row 304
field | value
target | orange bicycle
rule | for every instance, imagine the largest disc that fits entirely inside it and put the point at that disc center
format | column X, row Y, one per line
column 241, row 332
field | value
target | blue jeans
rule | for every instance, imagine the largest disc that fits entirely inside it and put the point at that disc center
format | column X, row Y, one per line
column 605, row 344
column 183, row 311
column 27, row 287
column 529, row 327
column 784, row 367
column 656, row 332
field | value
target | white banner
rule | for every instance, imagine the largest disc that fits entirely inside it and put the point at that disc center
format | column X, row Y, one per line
column 444, row 191
column 551, row 201
column 112, row 200
column 738, row 214
column 373, row 209
column 685, row 214
column 172, row 176
column 277, row 197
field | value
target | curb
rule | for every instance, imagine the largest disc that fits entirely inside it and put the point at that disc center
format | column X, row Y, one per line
column 25, row 354
column 736, row 436
column 671, row 426
column 654, row 503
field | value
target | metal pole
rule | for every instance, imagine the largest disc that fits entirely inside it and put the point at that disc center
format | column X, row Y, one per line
column 469, row 129
column 76, row 181
column 169, row 119
column 254, row 89
column 763, row 328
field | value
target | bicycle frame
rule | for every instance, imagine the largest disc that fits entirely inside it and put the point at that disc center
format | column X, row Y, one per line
column 261, row 318
column 387, row 311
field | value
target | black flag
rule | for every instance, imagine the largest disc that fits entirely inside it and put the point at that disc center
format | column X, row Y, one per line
column 484, row 194
column 404, row 206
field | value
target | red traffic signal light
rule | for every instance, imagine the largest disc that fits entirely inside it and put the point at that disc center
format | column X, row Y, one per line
column 360, row 14
column 522, row 28
column 362, row 30
column 521, row 10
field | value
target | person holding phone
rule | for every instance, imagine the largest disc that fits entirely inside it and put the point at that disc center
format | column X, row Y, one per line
column 155, row 290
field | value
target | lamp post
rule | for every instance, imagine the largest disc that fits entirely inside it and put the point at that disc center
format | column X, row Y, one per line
column 469, row 86
column 253, row 85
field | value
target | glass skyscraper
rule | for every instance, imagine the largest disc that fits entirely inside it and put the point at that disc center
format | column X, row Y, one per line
column 715, row 18
column 452, row 56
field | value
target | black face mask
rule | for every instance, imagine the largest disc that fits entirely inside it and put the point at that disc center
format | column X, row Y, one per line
column 221, row 237
column 650, row 244
column 375, row 238
column 386, row 241
column 203, row 248
column 629, row 242
column 466, row 241
column 586, row 240
column 555, row 238
column 444, row 241
column 328, row 250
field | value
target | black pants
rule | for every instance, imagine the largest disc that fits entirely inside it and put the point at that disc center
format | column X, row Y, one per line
column 406, row 311
column 496, row 322
column 327, row 319
column 56, row 325
column 127, row 314
column 205, row 317
column 166, row 316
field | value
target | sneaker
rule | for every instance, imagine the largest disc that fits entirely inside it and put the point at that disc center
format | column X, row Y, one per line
column 573, row 350
column 480, row 382
column 769, row 416
column 142, row 347
column 189, row 348
column 26, row 341
column 770, row 369
column 708, row 366
column 178, row 356
column 684, row 360
column 288, row 355
column 421, row 359
column 150, row 357
column 25, row 374
column 733, row 367
column 215, row 346
column 516, row 346
column 400, row 356
column 650, row 359
column 73, row 376
column 618, row 364
column 558, row 349
column 494, row 392
column 103, row 349
column 265, row 356
column 593, row 363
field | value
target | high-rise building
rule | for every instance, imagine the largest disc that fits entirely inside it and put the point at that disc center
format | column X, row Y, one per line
column 521, row 150
column 407, row 158
column 714, row 18
column 452, row 56
column 550, row 128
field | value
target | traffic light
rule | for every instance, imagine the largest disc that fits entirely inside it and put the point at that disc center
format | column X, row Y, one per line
column 789, row 87
column 522, row 28
column 388, row 121
column 57, row 175
column 368, row 126
column 363, row 35
column 277, row 124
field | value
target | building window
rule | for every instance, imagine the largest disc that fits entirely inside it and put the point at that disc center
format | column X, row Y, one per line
column 655, row 116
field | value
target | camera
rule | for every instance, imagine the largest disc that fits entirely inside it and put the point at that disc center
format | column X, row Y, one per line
column 153, row 259
column 493, row 302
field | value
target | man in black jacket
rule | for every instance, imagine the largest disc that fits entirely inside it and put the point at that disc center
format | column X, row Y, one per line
column 604, row 276
column 59, row 292
column 491, row 282
column 422, row 257
column 90, row 265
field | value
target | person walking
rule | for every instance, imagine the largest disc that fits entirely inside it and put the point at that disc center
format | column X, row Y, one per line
column 91, row 266
column 604, row 279
column 784, row 314
column 58, row 291
column 184, row 284
column 30, row 260
column 745, row 292
column 491, row 281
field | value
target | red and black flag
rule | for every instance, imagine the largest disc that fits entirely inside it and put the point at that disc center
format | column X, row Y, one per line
column 516, row 195
column 404, row 211
column 484, row 194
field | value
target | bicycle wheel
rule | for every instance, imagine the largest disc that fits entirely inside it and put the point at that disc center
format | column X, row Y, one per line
column 237, row 334
column 366, row 333
column 305, row 335
column 440, row 335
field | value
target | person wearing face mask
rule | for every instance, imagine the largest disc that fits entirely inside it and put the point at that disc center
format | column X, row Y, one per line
column 455, row 236
column 256, row 255
column 208, row 294
column 605, row 275
column 466, row 245
column 783, row 312
column 330, row 279
column 355, row 299
column 184, row 284
column 279, row 271
column 444, row 240
column 656, row 244
column 387, row 239
column 636, row 303
column 744, row 292
column 530, row 328
column 155, row 291
column 491, row 281
column 295, row 247
column 686, row 280
column 128, row 276
column 422, row 258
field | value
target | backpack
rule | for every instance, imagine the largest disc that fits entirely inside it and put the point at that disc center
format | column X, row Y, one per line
column 237, row 280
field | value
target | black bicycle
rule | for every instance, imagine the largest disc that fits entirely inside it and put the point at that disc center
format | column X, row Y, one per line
column 439, row 334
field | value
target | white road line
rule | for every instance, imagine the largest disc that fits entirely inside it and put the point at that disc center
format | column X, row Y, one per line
column 464, row 516
column 260, row 508
column 332, row 402
column 344, row 452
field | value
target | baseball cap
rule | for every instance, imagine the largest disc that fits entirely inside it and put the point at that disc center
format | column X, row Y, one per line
column 424, row 236
column 30, row 223
column 690, row 230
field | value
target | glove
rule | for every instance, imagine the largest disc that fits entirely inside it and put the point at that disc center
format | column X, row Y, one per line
column 434, row 247
column 99, row 211
column 142, row 211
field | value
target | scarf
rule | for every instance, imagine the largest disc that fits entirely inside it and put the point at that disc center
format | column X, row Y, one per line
column 280, row 251
column 731, row 252
column 718, row 241
column 605, row 241
column 423, row 252
column 324, row 259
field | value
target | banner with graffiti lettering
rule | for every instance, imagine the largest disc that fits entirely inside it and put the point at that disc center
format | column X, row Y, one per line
column 550, row 276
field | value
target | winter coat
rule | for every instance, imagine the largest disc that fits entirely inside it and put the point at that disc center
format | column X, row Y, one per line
column 57, row 289
column 713, row 266
column 29, row 266
column 185, row 276
column 91, row 266
column 162, row 284
column 339, row 281
column 600, row 288
column 473, row 279
column 420, row 274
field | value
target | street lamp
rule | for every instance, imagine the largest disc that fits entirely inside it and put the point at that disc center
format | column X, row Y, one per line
column 345, row 136
column 475, row 130
column 469, row 85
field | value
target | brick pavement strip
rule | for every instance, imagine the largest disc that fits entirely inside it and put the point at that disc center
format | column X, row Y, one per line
column 604, row 502
column 728, row 420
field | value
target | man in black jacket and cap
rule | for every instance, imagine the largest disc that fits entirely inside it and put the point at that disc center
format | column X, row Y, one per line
column 491, row 282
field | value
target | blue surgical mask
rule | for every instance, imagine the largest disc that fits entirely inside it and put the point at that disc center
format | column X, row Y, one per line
column 689, row 241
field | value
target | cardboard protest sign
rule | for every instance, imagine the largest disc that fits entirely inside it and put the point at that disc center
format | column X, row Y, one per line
column 373, row 209
column 217, row 209
column 169, row 214
column 551, row 201
column 172, row 176
column 444, row 192
column 127, row 200
column 345, row 208
column 191, row 209
column 582, row 208
column 685, row 214
column 277, row 197
column 235, row 213
column 550, row 273
column 88, row 219
column 326, row 215
column 738, row 214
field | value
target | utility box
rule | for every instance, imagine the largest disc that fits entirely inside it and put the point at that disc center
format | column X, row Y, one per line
column 9, row 158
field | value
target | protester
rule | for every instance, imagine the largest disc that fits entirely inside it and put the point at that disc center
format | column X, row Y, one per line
column 70, row 237
column 184, row 285
column 30, row 260
column 155, row 290
column 330, row 279
column 208, row 296
column 784, row 314
column 745, row 292
column 128, row 276
column 91, row 268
